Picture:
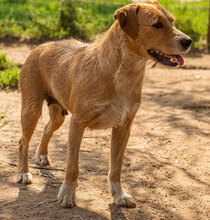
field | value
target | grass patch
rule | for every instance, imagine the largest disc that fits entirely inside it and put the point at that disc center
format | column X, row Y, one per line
column 9, row 72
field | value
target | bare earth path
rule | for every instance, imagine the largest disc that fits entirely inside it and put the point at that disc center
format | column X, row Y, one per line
column 166, row 166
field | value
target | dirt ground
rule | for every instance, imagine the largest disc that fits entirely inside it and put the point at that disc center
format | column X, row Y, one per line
column 166, row 165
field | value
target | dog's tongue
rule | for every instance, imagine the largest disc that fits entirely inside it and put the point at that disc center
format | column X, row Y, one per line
column 178, row 59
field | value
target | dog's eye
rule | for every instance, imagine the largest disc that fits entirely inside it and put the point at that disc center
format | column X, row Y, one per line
column 158, row 25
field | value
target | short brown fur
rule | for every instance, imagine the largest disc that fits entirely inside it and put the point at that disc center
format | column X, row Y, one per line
column 99, row 83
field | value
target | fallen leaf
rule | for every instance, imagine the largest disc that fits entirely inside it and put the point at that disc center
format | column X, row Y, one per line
column 165, row 157
column 185, row 164
column 36, row 187
column 198, row 77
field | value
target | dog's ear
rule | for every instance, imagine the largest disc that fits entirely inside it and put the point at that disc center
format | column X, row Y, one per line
column 127, row 18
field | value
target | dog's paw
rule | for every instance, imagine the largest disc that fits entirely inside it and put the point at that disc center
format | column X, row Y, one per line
column 121, row 198
column 67, row 195
column 25, row 178
column 124, row 200
column 43, row 160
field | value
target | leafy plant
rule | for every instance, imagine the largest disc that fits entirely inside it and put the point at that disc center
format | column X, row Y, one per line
column 3, row 61
column 9, row 72
column 9, row 77
column 68, row 18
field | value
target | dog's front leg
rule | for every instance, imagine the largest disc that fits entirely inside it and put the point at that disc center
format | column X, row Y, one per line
column 66, row 194
column 120, row 137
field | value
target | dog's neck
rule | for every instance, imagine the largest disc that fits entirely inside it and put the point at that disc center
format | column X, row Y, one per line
column 115, row 57
column 114, row 53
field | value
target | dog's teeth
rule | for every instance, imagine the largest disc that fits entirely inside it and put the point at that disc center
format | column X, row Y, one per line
column 172, row 60
column 161, row 54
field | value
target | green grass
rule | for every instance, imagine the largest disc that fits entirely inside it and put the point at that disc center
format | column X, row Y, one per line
column 40, row 19
column 9, row 72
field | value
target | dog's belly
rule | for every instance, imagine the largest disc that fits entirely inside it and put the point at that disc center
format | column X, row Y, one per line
column 113, row 116
column 104, row 121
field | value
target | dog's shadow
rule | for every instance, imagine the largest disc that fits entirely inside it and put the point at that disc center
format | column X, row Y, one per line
column 42, row 204
column 116, row 212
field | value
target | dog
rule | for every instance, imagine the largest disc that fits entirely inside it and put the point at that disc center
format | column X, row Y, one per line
column 100, row 84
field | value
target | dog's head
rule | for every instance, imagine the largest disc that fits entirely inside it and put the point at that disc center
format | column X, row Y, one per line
column 151, row 32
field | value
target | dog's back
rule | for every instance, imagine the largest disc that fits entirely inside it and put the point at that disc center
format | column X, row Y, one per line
column 45, row 60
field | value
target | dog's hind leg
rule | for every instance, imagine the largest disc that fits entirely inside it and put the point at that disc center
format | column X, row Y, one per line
column 119, row 141
column 57, row 116
column 30, row 113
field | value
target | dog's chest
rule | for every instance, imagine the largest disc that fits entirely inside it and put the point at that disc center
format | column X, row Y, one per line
column 122, row 106
column 115, row 113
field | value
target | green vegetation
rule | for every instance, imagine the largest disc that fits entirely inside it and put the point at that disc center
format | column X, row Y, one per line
column 42, row 19
column 9, row 72
column 3, row 122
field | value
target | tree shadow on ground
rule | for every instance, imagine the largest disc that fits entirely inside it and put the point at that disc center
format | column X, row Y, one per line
column 189, row 105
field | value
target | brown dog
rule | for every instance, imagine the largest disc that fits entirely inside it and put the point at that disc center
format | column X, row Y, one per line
column 100, row 84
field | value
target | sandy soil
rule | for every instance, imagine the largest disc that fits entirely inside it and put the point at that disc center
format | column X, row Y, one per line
column 166, row 165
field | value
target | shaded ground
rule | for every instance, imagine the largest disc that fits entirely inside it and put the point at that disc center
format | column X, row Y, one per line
column 166, row 166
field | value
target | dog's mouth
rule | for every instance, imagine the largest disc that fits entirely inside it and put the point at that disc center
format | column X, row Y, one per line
column 166, row 59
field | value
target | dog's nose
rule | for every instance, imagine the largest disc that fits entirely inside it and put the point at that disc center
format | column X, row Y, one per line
column 186, row 42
